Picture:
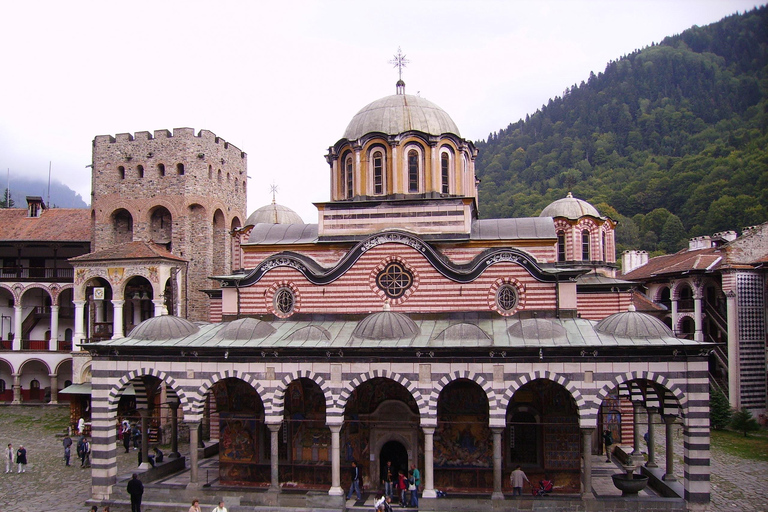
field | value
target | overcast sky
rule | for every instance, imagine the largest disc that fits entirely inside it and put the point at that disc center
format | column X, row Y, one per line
column 281, row 79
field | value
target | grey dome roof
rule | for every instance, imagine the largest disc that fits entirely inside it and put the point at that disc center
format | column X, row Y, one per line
column 633, row 324
column 537, row 329
column 309, row 333
column 273, row 214
column 386, row 325
column 570, row 208
column 400, row 113
column 247, row 329
column 164, row 327
column 463, row 331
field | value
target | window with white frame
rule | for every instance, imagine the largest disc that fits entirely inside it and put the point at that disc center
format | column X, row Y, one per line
column 348, row 169
column 414, row 174
column 585, row 245
column 378, row 172
column 445, row 162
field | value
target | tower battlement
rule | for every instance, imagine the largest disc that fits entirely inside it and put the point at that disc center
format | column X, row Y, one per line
column 179, row 134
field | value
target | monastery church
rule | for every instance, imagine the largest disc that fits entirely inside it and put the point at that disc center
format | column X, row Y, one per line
column 399, row 327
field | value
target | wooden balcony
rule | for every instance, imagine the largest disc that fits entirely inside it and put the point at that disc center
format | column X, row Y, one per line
column 48, row 274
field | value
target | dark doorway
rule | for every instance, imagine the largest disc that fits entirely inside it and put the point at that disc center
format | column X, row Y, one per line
column 395, row 452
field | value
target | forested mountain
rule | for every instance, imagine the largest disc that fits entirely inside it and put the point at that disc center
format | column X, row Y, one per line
column 671, row 140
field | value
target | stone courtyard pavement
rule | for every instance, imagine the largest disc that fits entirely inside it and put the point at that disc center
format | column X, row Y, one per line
column 737, row 484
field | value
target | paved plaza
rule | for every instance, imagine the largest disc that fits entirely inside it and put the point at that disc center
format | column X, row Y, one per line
column 47, row 485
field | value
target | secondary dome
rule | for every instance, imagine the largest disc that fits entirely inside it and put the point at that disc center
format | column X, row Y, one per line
column 570, row 208
column 633, row 324
column 164, row 327
column 537, row 329
column 274, row 214
column 400, row 113
column 247, row 329
column 386, row 325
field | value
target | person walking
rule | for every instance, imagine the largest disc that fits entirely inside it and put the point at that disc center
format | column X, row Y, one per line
column 402, row 486
column 85, row 453
column 135, row 488
column 21, row 459
column 67, row 442
column 126, row 435
column 8, row 458
column 417, row 483
column 517, row 478
column 388, row 479
column 608, row 441
column 355, row 482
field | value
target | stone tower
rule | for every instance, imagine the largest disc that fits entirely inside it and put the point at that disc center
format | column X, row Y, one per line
column 184, row 191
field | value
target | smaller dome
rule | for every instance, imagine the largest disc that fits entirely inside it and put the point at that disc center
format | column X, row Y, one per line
column 633, row 324
column 309, row 333
column 274, row 214
column 164, row 327
column 463, row 332
column 386, row 325
column 570, row 208
column 537, row 329
column 247, row 329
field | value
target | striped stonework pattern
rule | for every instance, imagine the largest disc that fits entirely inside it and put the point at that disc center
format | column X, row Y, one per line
column 497, row 416
column 751, row 306
column 358, row 379
column 586, row 413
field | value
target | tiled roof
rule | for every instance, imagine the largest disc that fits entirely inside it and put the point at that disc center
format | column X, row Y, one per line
column 683, row 261
column 129, row 251
column 53, row 225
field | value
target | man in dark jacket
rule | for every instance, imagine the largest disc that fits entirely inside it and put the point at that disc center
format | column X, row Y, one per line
column 135, row 489
column 355, row 482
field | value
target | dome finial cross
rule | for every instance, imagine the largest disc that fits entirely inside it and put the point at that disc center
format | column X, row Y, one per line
column 399, row 61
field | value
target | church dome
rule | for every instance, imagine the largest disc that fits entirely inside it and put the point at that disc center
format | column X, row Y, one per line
column 273, row 214
column 247, row 329
column 164, row 327
column 400, row 113
column 537, row 329
column 570, row 208
column 386, row 325
column 633, row 324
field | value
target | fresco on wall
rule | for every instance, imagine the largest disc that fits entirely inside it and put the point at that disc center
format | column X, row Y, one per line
column 310, row 438
column 240, row 425
column 462, row 437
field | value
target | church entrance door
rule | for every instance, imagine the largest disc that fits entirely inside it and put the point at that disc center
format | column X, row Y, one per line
column 396, row 452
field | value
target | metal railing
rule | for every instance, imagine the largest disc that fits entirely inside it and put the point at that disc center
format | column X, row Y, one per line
column 36, row 274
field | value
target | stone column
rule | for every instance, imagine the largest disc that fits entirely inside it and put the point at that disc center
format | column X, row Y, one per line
column 586, row 453
column 54, row 389
column 497, row 488
column 651, row 439
column 675, row 318
column 274, row 484
column 335, row 489
column 53, row 343
column 117, row 318
column 79, row 333
column 698, row 332
column 144, row 439
column 637, row 455
column 98, row 308
column 159, row 306
column 193, row 441
column 16, row 388
column 429, row 461
column 17, row 321
column 669, row 476
column 734, row 368
column 136, row 311
column 174, row 431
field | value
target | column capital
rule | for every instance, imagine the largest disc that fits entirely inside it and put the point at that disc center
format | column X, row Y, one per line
column 428, row 430
column 496, row 430
column 668, row 418
column 587, row 430
column 53, row 376
column 118, row 302
column 335, row 428
column 274, row 427
column 193, row 423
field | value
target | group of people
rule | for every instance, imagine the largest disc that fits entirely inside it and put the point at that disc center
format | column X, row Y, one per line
column 518, row 478
column 20, row 459
column 406, row 485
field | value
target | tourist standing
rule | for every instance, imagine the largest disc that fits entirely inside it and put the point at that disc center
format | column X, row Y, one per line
column 126, row 429
column 21, row 459
column 517, row 478
column 195, row 506
column 402, row 486
column 355, row 482
column 220, row 508
column 67, row 442
column 8, row 458
column 387, row 479
column 417, row 483
column 135, row 488
column 608, row 441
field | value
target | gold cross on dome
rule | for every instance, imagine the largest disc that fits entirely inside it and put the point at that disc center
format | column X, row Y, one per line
column 399, row 61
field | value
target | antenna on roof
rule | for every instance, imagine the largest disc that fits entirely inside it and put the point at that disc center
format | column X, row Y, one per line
column 48, row 198
column 273, row 189
column 399, row 61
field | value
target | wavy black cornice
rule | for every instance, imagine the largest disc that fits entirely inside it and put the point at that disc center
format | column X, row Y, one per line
column 463, row 273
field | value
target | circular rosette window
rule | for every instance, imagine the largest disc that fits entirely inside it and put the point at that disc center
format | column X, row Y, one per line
column 393, row 279
column 282, row 300
column 506, row 296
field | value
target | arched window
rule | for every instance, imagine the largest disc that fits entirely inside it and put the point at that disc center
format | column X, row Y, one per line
column 180, row 169
column 348, row 169
column 2, row 386
column 444, row 165
column 121, row 172
column 140, row 170
column 604, row 249
column 413, row 171
column 161, row 169
column 378, row 172
column 585, row 245
column 34, row 384
column 561, row 246
column 210, row 172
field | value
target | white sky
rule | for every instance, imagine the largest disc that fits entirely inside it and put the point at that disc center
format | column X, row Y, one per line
column 281, row 79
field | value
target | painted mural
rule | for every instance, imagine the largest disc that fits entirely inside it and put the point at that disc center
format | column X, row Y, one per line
column 240, row 425
column 462, row 437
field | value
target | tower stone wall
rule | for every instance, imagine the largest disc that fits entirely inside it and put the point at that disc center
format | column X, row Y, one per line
column 181, row 189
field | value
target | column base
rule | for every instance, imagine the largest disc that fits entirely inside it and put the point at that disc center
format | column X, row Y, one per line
column 637, row 459
column 53, row 402
column 145, row 465
column 669, row 478
column 335, row 491
column 174, row 455
column 651, row 465
column 16, row 402
column 497, row 496
column 194, row 485
column 429, row 493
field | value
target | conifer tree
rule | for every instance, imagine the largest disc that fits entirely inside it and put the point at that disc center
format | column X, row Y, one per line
column 720, row 412
column 744, row 422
